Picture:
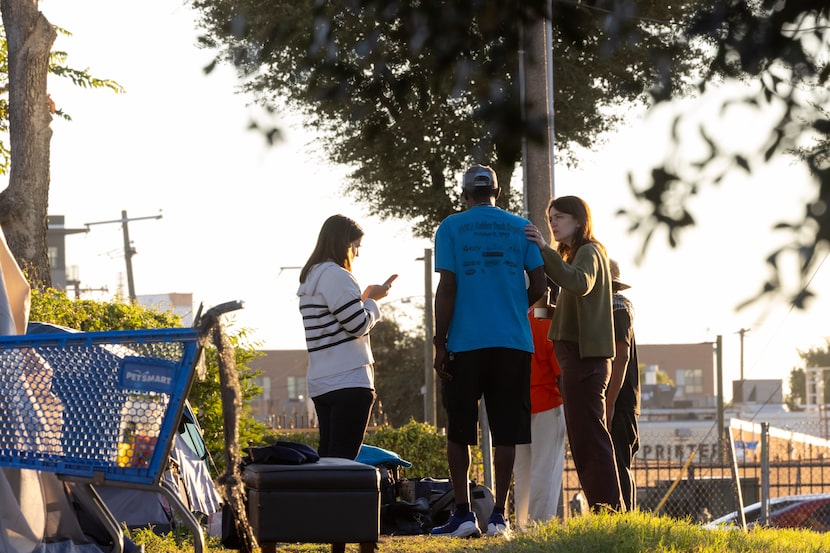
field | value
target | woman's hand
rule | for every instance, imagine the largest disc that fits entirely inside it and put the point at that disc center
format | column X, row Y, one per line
column 534, row 235
column 376, row 291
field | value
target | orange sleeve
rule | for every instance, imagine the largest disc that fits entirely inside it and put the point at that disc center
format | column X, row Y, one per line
column 544, row 369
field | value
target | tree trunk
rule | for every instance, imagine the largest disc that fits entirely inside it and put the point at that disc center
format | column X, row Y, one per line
column 24, row 204
column 234, row 487
column 538, row 163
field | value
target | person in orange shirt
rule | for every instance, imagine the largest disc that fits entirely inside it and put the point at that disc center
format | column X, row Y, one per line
column 537, row 470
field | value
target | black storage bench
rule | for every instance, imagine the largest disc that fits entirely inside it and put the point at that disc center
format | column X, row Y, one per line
column 331, row 501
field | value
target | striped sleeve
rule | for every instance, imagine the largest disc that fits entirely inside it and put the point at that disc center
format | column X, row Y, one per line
column 340, row 316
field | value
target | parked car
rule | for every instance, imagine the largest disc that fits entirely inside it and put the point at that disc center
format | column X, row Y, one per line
column 808, row 511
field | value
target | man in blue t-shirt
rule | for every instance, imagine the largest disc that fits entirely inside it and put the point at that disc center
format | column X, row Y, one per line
column 483, row 342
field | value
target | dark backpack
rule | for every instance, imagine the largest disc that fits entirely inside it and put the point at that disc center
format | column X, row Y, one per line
column 481, row 503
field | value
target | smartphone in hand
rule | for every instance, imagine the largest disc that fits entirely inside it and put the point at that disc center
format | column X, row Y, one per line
column 390, row 280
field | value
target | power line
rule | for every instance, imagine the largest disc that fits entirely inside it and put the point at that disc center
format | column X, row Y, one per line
column 129, row 251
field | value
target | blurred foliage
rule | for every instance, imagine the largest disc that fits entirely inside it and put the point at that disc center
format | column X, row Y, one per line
column 772, row 57
column 407, row 93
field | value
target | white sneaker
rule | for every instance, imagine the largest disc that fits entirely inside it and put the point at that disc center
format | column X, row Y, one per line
column 498, row 526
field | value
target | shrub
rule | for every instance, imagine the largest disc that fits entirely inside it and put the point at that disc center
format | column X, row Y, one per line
column 417, row 442
column 308, row 438
column 54, row 306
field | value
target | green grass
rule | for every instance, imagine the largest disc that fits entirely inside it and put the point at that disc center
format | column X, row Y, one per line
column 604, row 533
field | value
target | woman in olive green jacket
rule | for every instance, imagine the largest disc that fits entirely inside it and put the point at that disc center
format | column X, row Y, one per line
column 582, row 331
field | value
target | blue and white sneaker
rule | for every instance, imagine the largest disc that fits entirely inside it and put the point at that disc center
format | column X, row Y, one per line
column 498, row 526
column 456, row 527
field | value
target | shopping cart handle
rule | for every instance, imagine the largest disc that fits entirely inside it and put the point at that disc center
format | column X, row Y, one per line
column 209, row 317
column 226, row 307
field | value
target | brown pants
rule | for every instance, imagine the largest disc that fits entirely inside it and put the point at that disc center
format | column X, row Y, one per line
column 583, row 385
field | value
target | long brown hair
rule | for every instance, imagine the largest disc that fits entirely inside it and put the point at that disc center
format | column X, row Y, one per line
column 579, row 210
column 336, row 235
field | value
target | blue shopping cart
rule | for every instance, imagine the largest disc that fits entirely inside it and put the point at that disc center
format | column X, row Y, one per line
column 98, row 409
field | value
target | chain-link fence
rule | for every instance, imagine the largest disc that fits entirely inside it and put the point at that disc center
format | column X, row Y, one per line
column 690, row 472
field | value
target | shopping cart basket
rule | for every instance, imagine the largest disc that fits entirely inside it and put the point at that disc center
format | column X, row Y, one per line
column 98, row 409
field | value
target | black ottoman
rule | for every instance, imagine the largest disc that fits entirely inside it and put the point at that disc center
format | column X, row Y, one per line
column 333, row 500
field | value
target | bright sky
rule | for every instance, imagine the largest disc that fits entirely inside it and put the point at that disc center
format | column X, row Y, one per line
column 236, row 211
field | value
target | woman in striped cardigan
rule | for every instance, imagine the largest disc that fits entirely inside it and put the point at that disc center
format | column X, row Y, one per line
column 337, row 319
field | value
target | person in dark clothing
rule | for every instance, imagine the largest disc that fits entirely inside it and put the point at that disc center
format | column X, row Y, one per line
column 623, row 403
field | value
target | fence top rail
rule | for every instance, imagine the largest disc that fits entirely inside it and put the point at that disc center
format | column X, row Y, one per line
column 774, row 432
column 61, row 337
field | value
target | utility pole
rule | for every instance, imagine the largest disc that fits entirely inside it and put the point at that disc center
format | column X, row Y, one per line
column 551, row 89
column 720, row 401
column 430, row 413
column 742, row 332
column 536, row 97
column 129, row 251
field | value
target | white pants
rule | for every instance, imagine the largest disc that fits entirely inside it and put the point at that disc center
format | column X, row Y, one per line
column 537, row 470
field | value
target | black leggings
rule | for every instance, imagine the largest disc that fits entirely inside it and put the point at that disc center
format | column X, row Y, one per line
column 343, row 416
